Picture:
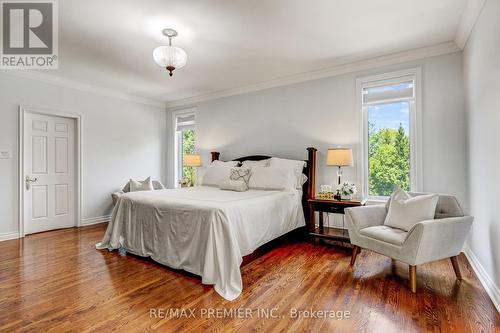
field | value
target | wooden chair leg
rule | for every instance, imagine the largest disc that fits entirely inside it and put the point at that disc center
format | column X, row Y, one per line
column 413, row 278
column 355, row 252
column 393, row 266
column 456, row 267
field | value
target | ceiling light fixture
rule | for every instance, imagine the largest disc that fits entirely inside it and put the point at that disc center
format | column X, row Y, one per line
column 170, row 57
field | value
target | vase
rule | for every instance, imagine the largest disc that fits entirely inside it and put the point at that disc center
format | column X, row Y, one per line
column 346, row 196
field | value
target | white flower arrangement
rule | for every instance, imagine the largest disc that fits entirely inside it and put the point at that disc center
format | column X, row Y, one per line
column 347, row 189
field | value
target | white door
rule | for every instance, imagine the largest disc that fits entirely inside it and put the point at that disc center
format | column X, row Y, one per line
column 49, row 172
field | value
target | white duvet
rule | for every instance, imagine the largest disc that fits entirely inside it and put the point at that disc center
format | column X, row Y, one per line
column 203, row 230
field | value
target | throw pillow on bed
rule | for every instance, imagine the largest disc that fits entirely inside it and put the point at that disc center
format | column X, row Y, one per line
column 405, row 211
column 277, row 179
column 215, row 175
column 256, row 164
column 234, row 185
column 227, row 164
column 241, row 174
column 296, row 165
column 145, row 185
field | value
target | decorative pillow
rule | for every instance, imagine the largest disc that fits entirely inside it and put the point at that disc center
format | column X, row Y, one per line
column 145, row 185
column 273, row 179
column 399, row 193
column 296, row 165
column 406, row 211
column 228, row 164
column 158, row 185
column 260, row 164
column 234, row 185
column 241, row 174
column 215, row 175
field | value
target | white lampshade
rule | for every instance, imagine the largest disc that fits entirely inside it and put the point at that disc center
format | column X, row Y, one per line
column 173, row 56
column 339, row 157
column 193, row 160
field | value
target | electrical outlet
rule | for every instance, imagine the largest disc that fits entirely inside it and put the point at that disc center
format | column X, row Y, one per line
column 5, row 153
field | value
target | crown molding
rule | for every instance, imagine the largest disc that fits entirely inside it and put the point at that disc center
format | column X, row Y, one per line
column 85, row 87
column 469, row 18
column 355, row 66
column 343, row 68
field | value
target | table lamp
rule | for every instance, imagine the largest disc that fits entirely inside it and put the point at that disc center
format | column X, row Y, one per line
column 339, row 157
column 192, row 161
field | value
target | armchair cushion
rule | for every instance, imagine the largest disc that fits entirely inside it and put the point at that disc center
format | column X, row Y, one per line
column 385, row 234
column 405, row 211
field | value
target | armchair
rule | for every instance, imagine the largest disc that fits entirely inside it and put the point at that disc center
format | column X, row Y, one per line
column 157, row 185
column 441, row 237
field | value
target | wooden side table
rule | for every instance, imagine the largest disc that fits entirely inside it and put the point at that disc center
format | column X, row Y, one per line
column 330, row 206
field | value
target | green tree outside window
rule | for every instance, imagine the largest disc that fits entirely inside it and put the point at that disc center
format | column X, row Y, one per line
column 188, row 141
column 389, row 160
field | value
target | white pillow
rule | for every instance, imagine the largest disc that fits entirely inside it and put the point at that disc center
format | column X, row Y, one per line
column 406, row 211
column 145, row 185
column 296, row 165
column 280, row 179
column 262, row 163
column 234, row 185
column 303, row 179
column 215, row 175
column 228, row 164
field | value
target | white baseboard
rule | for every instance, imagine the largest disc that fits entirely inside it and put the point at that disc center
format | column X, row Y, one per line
column 9, row 235
column 95, row 220
column 85, row 222
column 489, row 285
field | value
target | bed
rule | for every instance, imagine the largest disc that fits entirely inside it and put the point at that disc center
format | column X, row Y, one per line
column 204, row 230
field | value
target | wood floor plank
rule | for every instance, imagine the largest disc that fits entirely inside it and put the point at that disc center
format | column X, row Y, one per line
column 58, row 282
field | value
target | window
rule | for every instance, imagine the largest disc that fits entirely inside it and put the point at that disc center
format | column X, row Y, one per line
column 390, row 126
column 185, row 141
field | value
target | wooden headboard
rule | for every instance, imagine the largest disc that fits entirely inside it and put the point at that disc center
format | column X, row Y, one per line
column 308, row 189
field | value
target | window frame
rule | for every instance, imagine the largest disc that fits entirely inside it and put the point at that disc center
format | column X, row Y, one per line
column 177, row 143
column 415, row 126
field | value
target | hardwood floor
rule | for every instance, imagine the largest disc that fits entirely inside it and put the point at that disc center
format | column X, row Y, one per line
column 58, row 282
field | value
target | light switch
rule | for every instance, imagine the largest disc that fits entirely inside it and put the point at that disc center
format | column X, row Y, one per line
column 5, row 153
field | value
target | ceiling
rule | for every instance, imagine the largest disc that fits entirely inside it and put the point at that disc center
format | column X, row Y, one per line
column 237, row 43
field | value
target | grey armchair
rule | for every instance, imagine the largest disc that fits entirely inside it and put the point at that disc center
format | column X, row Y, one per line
column 442, row 237
column 157, row 185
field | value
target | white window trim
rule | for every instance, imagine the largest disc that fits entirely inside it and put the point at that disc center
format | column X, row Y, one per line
column 416, row 175
column 176, row 163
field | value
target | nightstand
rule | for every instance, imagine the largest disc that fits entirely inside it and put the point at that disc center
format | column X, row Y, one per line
column 330, row 206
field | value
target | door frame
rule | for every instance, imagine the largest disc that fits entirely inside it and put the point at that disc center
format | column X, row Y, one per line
column 23, row 110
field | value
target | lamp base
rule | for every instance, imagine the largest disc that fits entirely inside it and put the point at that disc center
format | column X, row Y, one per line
column 337, row 196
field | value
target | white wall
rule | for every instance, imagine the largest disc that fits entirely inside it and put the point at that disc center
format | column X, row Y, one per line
column 482, row 78
column 323, row 113
column 121, row 139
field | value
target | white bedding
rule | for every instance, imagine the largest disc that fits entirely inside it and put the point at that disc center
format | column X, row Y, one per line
column 203, row 230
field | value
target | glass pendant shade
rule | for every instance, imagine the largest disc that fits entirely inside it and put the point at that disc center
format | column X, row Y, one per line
column 170, row 57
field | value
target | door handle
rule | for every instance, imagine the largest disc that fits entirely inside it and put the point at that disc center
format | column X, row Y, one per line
column 29, row 181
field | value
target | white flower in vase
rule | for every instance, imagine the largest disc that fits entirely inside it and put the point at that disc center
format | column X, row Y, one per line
column 347, row 190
